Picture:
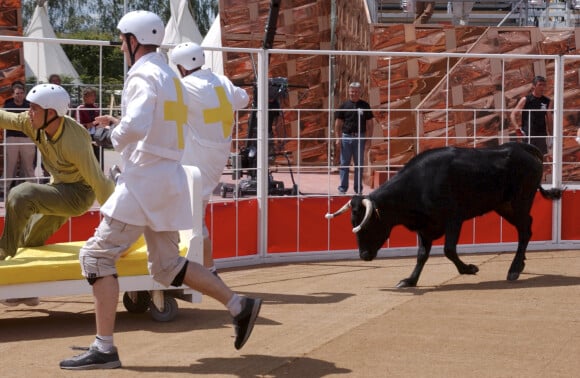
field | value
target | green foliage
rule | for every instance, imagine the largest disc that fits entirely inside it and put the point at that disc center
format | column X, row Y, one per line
column 72, row 16
column 204, row 12
column 86, row 59
column 97, row 20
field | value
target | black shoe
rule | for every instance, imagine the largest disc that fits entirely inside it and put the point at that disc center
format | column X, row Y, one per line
column 244, row 322
column 92, row 359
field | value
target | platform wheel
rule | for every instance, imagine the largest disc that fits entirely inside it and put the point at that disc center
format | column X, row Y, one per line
column 137, row 302
column 169, row 311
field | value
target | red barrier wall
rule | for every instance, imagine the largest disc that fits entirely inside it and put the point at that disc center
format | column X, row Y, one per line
column 570, row 209
column 299, row 225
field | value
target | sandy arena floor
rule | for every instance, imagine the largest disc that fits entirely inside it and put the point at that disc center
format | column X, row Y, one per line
column 334, row 318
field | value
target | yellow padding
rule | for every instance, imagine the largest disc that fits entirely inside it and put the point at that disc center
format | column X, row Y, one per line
column 60, row 262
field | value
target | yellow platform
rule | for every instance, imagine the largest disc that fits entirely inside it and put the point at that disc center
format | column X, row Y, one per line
column 60, row 262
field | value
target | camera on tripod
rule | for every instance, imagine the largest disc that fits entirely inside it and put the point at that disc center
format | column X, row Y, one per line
column 245, row 162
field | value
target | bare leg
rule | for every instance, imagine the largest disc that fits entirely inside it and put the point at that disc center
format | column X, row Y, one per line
column 199, row 278
column 207, row 253
column 106, row 293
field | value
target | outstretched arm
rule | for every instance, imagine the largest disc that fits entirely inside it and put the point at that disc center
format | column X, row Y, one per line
column 516, row 114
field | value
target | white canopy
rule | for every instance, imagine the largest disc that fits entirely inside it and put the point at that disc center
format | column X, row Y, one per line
column 181, row 26
column 213, row 38
column 45, row 58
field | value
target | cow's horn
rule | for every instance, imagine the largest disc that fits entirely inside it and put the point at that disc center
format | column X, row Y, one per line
column 367, row 203
column 339, row 211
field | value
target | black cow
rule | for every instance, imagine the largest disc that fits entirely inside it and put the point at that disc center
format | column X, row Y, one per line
column 439, row 189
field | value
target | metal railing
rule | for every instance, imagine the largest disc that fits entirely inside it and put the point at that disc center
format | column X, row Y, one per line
column 389, row 140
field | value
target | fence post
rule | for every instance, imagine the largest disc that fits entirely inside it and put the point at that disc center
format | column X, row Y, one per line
column 262, row 158
column 557, row 145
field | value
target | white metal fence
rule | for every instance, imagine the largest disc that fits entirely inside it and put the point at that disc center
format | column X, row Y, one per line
column 318, row 178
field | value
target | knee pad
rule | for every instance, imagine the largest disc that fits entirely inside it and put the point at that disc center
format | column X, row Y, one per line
column 92, row 278
column 178, row 280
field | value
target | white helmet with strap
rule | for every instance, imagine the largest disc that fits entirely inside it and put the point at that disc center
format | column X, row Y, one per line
column 189, row 55
column 146, row 26
column 50, row 96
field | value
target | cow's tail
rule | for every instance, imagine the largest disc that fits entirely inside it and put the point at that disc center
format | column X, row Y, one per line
column 551, row 194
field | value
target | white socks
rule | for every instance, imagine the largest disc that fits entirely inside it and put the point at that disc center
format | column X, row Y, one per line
column 235, row 305
column 103, row 343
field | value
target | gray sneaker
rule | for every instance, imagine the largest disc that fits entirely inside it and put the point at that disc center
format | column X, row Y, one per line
column 92, row 359
column 244, row 321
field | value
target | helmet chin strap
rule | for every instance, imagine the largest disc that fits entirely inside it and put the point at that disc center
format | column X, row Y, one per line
column 45, row 125
column 131, row 52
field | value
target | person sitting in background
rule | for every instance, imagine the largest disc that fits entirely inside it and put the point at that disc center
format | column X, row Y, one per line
column 461, row 11
column 86, row 114
column 423, row 11
column 55, row 79
column 19, row 147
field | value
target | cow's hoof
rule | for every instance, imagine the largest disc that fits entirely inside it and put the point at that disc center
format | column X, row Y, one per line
column 405, row 283
column 514, row 274
column 469, row 269
column 472, row 269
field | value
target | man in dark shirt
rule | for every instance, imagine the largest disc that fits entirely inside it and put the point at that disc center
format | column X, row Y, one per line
column 18, row 146
column 533, row 115
column 353, row 125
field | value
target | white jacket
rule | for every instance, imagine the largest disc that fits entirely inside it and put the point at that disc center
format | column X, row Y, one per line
column 214, row 99
column 152, row 189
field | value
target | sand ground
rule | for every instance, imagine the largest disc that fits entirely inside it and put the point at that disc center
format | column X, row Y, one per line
column 334, row 318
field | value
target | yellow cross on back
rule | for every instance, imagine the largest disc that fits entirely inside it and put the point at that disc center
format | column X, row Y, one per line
column 177, row 111
column 223, row 113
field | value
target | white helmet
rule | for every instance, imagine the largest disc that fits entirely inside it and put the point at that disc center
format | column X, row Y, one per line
column 189, row 55
column 146, row 26
column 50, row 96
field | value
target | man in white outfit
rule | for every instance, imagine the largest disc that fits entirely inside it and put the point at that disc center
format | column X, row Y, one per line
column 214, row 99
column 461, row 11
column 151, row 196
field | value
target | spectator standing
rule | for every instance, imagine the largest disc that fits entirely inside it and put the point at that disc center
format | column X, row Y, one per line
column 423, row 11
column 210, row 133
column 150, row 139
column 353, row 125
column 86, row 114
column 532, row 115
column 461, row 11
column 19, row 147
